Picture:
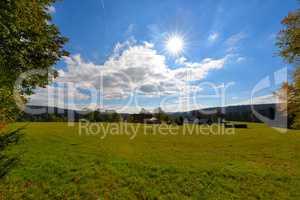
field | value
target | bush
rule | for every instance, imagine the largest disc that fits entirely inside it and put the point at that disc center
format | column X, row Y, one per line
column 7, row 162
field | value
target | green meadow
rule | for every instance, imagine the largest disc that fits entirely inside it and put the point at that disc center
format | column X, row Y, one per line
column 56, row 161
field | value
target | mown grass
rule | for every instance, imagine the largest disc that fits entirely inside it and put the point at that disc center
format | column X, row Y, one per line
column 57, row 163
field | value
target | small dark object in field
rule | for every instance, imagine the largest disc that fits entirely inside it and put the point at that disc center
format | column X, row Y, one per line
column 240, row 126
column 226, row 125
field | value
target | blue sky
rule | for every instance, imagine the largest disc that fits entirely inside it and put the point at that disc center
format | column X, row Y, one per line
column 225, row 42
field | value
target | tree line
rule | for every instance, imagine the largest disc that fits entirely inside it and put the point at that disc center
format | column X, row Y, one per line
column 288, row 41
column 103, row 116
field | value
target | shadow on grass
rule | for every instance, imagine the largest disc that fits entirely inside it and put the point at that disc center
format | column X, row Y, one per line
column 8, row 161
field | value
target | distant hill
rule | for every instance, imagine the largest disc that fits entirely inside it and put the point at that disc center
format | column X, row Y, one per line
column 247, row 113
column 267, row 113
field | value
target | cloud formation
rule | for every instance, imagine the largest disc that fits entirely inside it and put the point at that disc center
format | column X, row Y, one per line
column 192, row 71
column 132, row 69
column 233, row 41
column 265, row 99
column 136, row 68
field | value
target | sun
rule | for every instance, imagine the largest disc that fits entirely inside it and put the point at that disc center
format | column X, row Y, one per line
column 175, row 44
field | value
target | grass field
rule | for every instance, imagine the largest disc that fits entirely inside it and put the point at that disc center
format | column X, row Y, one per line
column 57, row 163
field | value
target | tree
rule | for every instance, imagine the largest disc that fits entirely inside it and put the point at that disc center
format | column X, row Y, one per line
column 289, row 38
column 28, row 41
column 288, row 41
column 290, row 106
column 161, row 115
column 115, row 117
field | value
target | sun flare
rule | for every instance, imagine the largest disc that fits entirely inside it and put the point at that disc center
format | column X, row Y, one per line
column 175, row 44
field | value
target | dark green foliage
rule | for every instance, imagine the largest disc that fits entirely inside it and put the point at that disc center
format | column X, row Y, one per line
column 97, row 116
column 28, row 41
column 161, row 115
column 9, row 138
column 8, row 161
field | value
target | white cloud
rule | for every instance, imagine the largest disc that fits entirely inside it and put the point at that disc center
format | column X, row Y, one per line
column 180, row 60
column 240, row 59
column 130, row 29
column 265, row 99
column 233, row 41
column 138, row 67
column 198, row 70
column 131, row 69
column 213, row 37
column 148, row 44
column 182, row 104
column 62, row 97
column 236, row 38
